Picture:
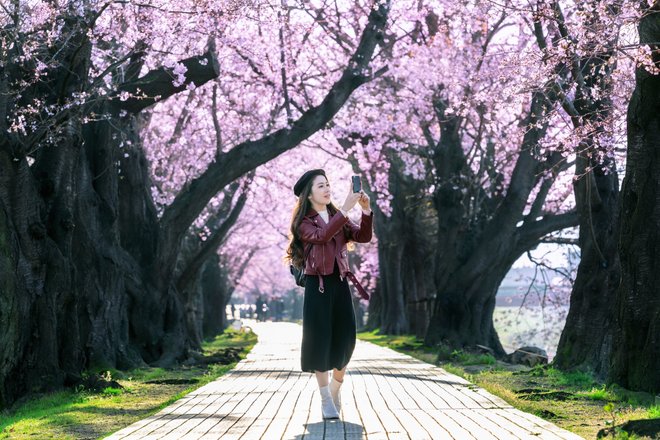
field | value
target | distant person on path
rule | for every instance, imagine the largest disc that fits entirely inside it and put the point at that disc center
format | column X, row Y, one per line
column 319, row 234
column 259, row 306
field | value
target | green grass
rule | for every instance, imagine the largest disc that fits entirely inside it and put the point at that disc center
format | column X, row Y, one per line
column 463, row 358
column 622, row 435
column 580, row 379
column 73, row 414
column 601, row 393
column 573, row 400
column 109, row 391
column 398, row 342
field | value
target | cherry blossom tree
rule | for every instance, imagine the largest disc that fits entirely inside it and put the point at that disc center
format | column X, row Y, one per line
column 453, row 127
column 587, row 39
column 95, row 257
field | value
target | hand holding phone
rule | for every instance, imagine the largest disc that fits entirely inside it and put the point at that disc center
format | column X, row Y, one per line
column 354, row 194
column 357, row 184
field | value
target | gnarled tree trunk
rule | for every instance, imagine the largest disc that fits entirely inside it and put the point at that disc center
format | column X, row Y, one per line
column 586, row 340
column 405, row 248
column 476, row 251
column 636, row 349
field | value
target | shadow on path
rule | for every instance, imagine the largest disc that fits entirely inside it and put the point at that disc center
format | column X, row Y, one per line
column 330, row 429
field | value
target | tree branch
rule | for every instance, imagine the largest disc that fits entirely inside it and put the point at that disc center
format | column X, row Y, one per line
column 242, row 265
column 551, row 164
column 510, row 211
column 560, row 240
column 532, row 233
column 137, row 60
column 157, row 85
column 181, row 121
column 208, row 247
column 250, row 154
column 563, row 31
column 216, row 122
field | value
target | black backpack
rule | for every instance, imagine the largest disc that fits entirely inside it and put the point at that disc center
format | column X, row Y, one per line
column 299, row 272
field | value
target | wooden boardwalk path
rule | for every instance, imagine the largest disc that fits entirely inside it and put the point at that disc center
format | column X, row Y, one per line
column 386, row 395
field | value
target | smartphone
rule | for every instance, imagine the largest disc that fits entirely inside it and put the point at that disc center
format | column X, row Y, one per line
column 357, row 184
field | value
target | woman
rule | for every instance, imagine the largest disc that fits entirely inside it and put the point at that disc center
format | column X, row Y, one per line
column 319, row 234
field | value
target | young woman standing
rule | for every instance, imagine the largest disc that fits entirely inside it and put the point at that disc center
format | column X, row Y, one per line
column 319, row 234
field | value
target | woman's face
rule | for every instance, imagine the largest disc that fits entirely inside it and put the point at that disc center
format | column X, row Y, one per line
column 320, row 191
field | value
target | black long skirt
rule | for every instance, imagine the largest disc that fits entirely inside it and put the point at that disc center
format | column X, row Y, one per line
column 328, row 324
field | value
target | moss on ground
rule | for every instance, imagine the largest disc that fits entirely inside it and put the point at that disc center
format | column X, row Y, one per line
column 82, row 414
column 574, row 401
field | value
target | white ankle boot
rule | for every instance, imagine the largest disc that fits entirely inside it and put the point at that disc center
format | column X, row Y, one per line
column 335, row 385
column 327, row 405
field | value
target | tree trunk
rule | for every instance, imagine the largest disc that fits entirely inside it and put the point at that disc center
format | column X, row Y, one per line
column 405, row 247
column 466, row 301
column 196, row 259
column 375, row 310
column 586, row 341
column 636, row 353
column 216, row 294
column 66, row 308
column 417, row 275
column 475, row 251
column 74, row 288
column 393, row 313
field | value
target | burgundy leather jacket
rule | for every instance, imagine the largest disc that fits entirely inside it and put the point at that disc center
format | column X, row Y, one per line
column 328, row 242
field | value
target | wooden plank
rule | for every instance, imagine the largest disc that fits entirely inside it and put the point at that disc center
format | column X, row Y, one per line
column 141, row 429
column 373, row 425
column 423, row 394
column 548, row 430
column 395, row 402
column 447, row 388
column 457, row 431
column 503, row 423
column 409, row 382
column 386, row 395
column 215, row 412
column 432, row 426
column 292, row 388
column 427, row 427
column 159, row 427
column 226, row 426
column 279, row 388
column 380, row 404
column 478, row 430
column 183, row 423
column 296, row 426
column 353, row 425
column 226, row 420
column 228, row 394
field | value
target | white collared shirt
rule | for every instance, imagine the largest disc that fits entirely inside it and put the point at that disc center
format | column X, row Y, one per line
column 324, row 215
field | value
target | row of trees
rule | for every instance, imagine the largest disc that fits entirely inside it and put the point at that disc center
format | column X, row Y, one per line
column 497, row 193
column 492, row 202
column 94, row 276
column 137, row 182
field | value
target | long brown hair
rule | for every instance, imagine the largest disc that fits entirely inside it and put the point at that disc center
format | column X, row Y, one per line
column 295, row 251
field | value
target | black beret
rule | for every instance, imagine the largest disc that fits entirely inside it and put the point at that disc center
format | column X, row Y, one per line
column 300, row 184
